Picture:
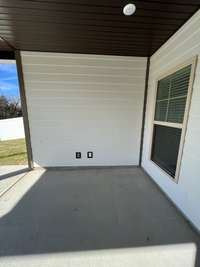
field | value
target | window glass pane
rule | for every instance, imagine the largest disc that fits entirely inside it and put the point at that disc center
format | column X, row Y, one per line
column 180, row 82
column 176, row 110
column 165, row 147
column 171, row 96
column 161, row 109
column 163, row 89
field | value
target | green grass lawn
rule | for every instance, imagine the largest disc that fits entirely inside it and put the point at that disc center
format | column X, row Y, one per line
column 13, row 152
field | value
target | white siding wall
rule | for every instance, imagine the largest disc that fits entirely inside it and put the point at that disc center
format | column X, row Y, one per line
column 186, row 194
column 84, row 103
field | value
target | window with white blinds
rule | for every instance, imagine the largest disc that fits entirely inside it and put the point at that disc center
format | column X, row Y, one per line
column 168, row 123
column 172, row 95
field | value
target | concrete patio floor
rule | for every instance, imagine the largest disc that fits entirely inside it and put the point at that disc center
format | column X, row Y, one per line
column 57, row 217
column 9, row 175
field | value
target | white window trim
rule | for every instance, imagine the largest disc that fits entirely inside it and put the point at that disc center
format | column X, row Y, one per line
column 193, row 62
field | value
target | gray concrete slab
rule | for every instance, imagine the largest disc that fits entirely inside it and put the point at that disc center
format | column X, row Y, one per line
column 97, row 214
column 9, row 175
column 6, row 169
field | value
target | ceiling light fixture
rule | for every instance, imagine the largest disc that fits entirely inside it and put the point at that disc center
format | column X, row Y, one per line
column 129, row 9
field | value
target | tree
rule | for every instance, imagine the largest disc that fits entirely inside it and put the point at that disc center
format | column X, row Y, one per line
column 3, row 107
column 10, row 108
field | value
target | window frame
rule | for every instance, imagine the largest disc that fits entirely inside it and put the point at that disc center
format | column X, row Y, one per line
column 193, row 62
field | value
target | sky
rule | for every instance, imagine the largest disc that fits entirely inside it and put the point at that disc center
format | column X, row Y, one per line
column 8, row 80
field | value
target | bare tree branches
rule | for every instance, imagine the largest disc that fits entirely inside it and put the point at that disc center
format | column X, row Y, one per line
column 10, row 108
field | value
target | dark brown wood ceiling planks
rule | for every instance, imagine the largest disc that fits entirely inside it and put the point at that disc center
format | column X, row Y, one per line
column 94, row 27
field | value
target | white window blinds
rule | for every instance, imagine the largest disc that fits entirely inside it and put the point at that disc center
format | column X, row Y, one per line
column 172, row 95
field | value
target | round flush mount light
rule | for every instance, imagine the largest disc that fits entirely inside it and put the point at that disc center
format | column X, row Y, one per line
column 129, row 9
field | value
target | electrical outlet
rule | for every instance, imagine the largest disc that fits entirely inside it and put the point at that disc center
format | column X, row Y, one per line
column 89, row 154
column 78, row 155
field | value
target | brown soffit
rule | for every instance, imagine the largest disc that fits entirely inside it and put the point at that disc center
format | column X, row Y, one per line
column 92, row 27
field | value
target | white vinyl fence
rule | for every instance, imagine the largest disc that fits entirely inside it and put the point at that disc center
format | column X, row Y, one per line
column 11, row 129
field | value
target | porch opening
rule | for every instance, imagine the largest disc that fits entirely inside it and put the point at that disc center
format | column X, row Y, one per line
column 13, row 152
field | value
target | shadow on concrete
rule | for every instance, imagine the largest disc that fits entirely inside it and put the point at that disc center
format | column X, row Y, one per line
column 72, row 210
column 13, row 173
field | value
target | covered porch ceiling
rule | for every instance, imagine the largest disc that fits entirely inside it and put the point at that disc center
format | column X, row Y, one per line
column 90, row 27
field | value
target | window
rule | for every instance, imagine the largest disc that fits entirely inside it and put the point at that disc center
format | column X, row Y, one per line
column 169, row 123
column 164, row 139
column 171, row 96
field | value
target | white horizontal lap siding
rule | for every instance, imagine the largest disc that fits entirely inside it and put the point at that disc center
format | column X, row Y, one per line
column 84, row 103
column 184, row 45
